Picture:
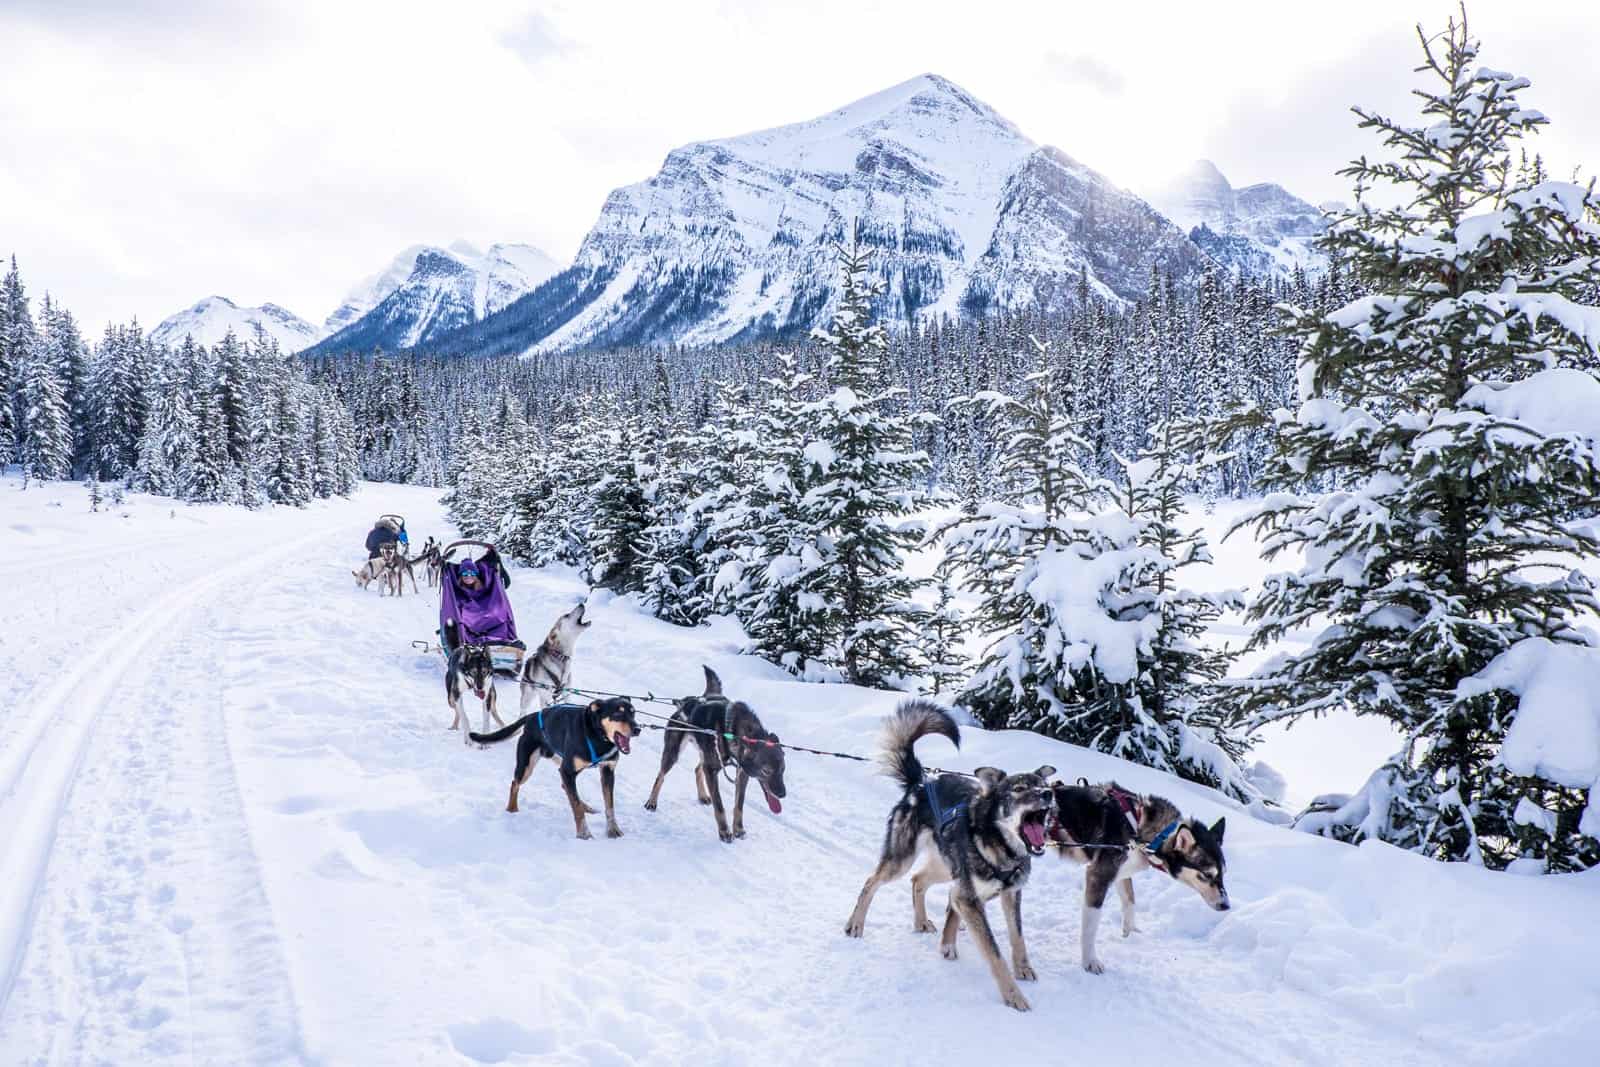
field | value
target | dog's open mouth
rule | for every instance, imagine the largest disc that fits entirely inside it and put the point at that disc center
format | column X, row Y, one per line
column 620, row 739
column 772, row 801
column 1033, row 831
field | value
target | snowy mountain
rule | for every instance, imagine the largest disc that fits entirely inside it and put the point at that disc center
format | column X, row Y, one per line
column 733, row 238
column 1260, row 228
column 211, row 319
column 426, row 291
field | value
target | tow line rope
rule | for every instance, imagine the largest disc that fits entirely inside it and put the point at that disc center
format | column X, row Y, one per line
column 681, row 727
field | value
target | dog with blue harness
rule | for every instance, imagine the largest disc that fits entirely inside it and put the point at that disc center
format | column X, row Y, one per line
column 580, row 736
column 977, row 832
column 1116, row 834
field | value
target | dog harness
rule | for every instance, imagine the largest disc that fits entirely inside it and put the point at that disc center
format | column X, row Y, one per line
column 586, row 739
column 942, row 816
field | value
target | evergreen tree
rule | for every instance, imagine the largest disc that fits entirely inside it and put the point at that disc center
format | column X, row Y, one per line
column 1421, row 403
column 775, row 582
column 207, row 477
column 946, row 628
column 46, row 452
column 1169, row 716
column 167, row 446
column 16, row 340
column 1024, row 677
column 120, row 400
column 620, row 518
column 865, row 468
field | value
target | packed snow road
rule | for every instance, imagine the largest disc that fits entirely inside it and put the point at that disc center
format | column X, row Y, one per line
column 234, row 830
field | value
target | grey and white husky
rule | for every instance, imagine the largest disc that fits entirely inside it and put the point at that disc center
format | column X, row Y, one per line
column 1117, row 834
column 549, row 669
column 978, row 833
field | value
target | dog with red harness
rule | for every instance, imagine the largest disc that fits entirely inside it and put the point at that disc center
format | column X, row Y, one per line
column 1116, row 834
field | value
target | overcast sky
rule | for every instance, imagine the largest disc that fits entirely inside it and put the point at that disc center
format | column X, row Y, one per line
column 154, row 153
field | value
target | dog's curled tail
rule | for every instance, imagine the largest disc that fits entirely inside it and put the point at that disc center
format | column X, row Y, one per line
column 911, row 720
column 502, row 733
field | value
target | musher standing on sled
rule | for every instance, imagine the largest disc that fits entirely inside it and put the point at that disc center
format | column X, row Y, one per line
column 388, row 531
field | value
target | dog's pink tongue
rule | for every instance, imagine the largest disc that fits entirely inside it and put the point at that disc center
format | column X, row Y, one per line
column 1033, row 833
column 772, row 801
column 621, row 741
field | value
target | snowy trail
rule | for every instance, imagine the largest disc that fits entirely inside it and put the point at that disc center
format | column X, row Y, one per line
column 117, row 813
column 290, row 860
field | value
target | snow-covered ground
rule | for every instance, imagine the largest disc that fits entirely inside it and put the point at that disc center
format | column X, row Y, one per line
column 234, row 829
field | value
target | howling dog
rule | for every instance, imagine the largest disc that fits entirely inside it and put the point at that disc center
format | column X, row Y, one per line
column 580, row 736
column 716, row 715
column 1127, row 833
column 547, row 671
column 979, row 833
column 470, row 666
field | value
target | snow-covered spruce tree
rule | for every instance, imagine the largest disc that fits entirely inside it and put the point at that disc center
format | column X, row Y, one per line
column 620, row 517
column 1022, row 678
column 939, row 646
column 207, row 479
column 234, row 387
column 865, row 467
column 288, row 461
column 16, row 340
column 46, row 451
column 1439, row 407
column 717, row 472
column 63, row 343
column 120, row 399
column 1175, row 692
column 772, row 585
column 167, row 445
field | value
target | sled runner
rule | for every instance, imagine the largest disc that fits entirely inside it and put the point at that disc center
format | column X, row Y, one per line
column 475, row 610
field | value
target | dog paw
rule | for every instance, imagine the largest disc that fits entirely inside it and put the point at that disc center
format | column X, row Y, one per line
column 613, row 831
column 727, row 838
column 585, row 835
column 1015, row 999
column 1094, row 966
column 1025, row 972
column 1129, row 931
column 947, row 951
column 649, row 805
column 854, row 929
column 925, row 927
column 706, row 801
column 738, row 831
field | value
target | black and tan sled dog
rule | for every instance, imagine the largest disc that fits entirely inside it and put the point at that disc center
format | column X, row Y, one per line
column 580, row 736
column 1117, row 834
column 979, row 833
column 713, row 717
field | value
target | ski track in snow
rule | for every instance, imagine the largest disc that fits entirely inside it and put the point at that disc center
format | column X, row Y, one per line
column 248, row 837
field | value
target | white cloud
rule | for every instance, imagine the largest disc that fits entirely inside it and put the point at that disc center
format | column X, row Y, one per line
column 156, row 153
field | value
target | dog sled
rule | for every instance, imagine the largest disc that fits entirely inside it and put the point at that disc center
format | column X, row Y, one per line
column 478, row 612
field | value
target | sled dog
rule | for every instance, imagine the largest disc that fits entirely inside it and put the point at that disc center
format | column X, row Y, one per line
column 550, row 668
column 979, row 833
column 376, row 569
column 580, row 736
column 1127, row 833
column 712, row 711
column 470, row 666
